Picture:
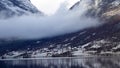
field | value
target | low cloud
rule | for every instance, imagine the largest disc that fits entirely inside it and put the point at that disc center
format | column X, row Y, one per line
column 33, row 27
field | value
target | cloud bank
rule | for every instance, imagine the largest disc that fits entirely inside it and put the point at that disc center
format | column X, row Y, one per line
column 34, row 27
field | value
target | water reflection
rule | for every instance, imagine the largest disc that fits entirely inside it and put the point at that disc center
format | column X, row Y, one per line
column 88, row 62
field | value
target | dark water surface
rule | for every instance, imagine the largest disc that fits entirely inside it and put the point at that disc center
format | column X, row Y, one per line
column 88, row 62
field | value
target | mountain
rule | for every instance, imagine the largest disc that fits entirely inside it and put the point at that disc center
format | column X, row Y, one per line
column 101, row 40
column 104, row 9
column 10, row 8
column 107, row 10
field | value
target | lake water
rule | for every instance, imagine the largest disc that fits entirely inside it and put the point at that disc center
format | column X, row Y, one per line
column 82, row 62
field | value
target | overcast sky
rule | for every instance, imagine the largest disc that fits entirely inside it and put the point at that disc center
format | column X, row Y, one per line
column 50, row 6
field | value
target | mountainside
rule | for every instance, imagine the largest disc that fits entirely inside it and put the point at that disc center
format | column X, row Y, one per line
column 105, row 10
column 10, row 8
column 101, row 40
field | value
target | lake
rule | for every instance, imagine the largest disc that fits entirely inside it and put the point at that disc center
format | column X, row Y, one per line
column 81, row 62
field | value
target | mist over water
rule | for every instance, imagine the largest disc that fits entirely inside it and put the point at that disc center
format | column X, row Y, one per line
column 62, row 22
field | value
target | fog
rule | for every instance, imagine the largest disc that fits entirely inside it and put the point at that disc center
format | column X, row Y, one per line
column 34, row 27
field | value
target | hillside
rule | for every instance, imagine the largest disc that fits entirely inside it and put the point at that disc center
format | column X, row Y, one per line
column 101, row 40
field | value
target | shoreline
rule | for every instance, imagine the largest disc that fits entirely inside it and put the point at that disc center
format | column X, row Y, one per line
column 50, row 58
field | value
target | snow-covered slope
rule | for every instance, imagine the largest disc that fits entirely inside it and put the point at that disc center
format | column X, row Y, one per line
column 104, row 9
column 10, row 8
